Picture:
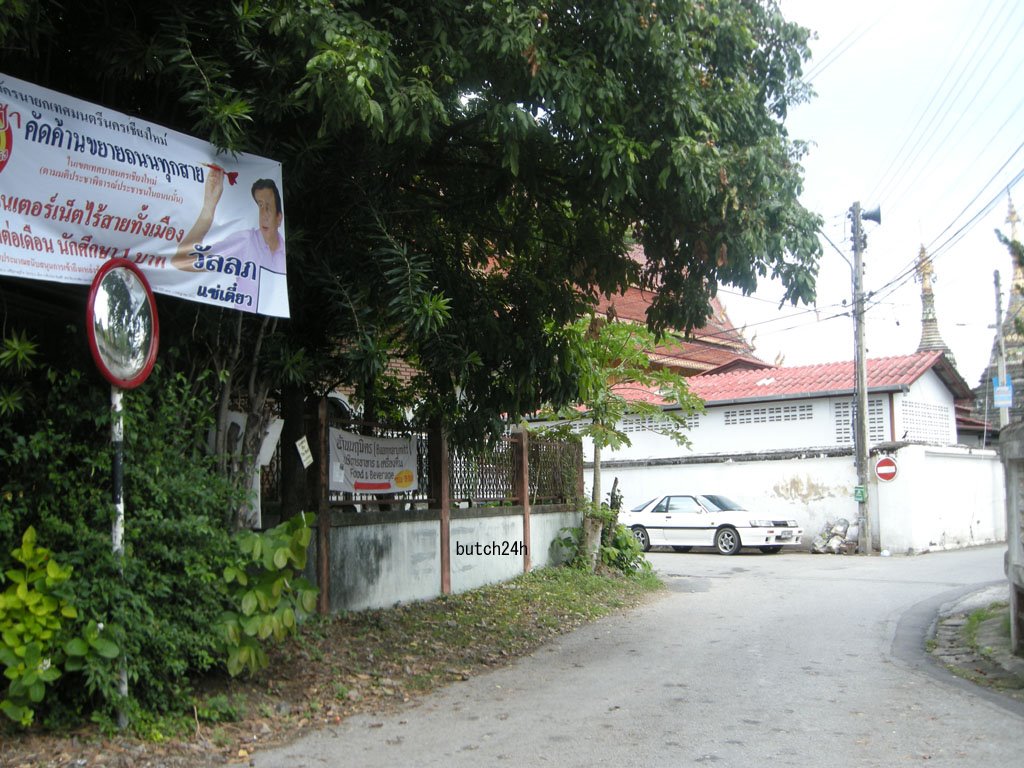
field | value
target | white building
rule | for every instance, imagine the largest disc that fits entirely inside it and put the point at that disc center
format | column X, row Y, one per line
column 781, row 440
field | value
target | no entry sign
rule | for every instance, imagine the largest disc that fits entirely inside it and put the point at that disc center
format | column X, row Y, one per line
column 885, row 468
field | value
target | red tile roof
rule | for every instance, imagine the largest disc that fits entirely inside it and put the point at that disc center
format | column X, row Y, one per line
column 633, row 304
column 883, row 374
column 717, row 344
column 701, row 357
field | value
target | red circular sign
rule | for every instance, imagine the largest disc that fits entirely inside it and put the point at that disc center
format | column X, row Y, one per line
column 885, row 468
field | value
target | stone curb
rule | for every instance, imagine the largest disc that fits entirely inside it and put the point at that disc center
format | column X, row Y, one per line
column 991, row 664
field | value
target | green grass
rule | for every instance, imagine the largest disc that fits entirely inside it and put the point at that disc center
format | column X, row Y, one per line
column 417, row 646
column 368, row 661
column 980, row 616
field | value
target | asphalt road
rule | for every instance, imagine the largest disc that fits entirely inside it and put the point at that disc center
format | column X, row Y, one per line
column 751, row 660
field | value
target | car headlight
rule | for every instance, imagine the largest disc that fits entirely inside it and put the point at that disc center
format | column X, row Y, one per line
column 760, row 523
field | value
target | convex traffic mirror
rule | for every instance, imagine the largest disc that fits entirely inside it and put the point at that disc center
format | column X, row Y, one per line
column 122, row 324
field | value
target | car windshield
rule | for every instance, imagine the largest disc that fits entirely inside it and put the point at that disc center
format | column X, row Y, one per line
column 639, row 507
column 723, row 503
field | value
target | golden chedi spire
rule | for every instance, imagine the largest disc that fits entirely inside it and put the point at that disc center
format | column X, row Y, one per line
column 931, row 339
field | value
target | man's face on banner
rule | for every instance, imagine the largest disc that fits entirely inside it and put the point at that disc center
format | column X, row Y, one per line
column 270, row 217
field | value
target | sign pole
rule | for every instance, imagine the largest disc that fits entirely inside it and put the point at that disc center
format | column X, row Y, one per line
column 123, row 332
column 117, row 445
column 117, row 534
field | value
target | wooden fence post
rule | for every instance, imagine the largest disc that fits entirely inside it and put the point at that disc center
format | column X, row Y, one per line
column 323, row 521
column 523, row 481
column 579, row 474
column 440, row 483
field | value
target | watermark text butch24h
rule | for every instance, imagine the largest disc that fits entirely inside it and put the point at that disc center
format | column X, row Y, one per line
column 501, row 548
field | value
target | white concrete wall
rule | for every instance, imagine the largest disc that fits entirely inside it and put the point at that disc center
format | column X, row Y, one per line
column 475, row 569
column 486, row 565
column 811, row 490
column 389, row 559
column 929, row 393
column 941, row 498
column 545, row 530
column 711, row 433
column 374, row 566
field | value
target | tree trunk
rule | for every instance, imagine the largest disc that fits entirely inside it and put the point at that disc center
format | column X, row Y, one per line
column 591, row 543
column 294, row 489
column 608, row 534
column 256, row 421
column 591, row 536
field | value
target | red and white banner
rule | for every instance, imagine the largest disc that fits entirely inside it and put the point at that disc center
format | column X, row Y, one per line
column 80, row 184
column 362, row 464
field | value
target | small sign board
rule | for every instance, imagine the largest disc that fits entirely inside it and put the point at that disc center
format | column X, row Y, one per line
column 365, row 464
column 1002, row 393
column 860, row 493
column 885, row 468
column 302, row 444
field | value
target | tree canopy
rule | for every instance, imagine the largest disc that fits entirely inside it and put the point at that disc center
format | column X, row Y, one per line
column 616, row 375
column 461, row 175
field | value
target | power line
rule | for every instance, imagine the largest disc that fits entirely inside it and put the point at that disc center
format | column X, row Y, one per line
column 984, row 146
column 933, row 251
column 837, row 51
column 897, row 164
column 897, row 282
column 798, row 313
column 974, row 199
column 927, row 164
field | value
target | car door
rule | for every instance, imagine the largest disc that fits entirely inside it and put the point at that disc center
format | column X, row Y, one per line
column 686, row 522
column 654, row 519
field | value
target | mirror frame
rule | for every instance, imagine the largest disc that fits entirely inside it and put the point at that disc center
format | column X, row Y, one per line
column 150, row 359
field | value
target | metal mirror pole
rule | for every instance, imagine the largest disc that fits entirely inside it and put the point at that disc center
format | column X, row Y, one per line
column 117, row 534
column 124, row 334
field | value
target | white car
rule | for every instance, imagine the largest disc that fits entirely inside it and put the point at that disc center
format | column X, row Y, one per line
column 683, row 522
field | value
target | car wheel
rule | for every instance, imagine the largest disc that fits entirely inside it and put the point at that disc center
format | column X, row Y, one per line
column 682, row 549
column 641, row 536
column 727, row 541
column 771, row 550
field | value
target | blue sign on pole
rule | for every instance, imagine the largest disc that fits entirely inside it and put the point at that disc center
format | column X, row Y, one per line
column 1002, row 394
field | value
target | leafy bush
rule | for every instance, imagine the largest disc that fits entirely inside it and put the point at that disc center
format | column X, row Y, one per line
column 37, row 630
column 17, row 357
column 162, row 602
column 33, row 612
column 624, row 552
column 618, row 549
column 270, row 595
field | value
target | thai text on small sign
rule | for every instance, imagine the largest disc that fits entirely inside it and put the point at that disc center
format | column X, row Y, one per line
column 363, row 464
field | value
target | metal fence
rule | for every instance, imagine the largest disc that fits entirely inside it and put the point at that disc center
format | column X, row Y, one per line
column 487, row 477
column 418, row 498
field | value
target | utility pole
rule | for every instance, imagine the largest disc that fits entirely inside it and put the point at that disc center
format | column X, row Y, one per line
column 1004, row 411
column 860, row 424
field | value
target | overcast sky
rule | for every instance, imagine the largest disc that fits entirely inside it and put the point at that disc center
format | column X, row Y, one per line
column 919, row 111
